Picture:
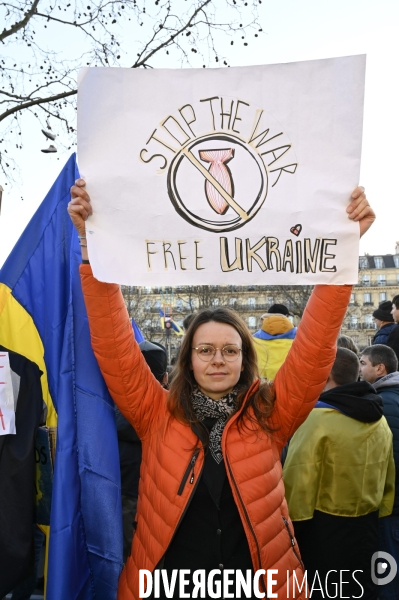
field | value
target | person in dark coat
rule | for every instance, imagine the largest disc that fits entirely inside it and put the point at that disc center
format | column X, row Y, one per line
column 384, row 320
column 379, row 366
column 130, row 446
column 393, row 339
column 17, row 476
column 339, row 478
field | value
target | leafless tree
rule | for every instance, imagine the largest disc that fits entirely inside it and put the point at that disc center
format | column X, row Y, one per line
column 45, row 42
column 198, row 297
column 144, row 309
column 295, row 297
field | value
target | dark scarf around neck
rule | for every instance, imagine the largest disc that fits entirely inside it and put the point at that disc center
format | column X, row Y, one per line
column 214, row 415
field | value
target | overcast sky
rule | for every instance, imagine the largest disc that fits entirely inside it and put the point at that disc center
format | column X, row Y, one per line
column 295, row 30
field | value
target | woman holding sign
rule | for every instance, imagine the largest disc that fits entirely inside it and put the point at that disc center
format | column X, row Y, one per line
column 212, row 518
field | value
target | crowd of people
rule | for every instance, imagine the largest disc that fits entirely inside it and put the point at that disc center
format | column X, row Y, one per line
column 339, row 466
column 275, row 452
column 212, row 495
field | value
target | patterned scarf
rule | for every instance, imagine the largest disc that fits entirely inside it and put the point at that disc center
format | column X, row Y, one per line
column 205, row 408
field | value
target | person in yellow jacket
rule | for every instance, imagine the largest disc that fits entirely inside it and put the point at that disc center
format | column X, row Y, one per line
column 339, row 478
column 274, row 340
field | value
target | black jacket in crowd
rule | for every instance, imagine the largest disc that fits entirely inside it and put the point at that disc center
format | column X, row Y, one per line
column 388, row 388
column 17, row 477
column 382, row 335
column 129, row 455
column 393, row 340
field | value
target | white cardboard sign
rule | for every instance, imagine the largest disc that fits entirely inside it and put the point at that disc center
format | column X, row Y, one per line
column 7, row 401
column 222, row 176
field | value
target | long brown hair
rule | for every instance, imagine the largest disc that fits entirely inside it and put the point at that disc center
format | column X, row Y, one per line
column 183, row 382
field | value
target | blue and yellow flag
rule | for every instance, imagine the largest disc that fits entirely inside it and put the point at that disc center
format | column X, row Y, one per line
column 43, row 317
column 138, row 335
column 174, row 326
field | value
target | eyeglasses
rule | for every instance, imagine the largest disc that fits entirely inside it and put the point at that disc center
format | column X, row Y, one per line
column 206, row 352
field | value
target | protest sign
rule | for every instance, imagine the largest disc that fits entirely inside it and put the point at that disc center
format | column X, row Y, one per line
column 7, row 401
column 222, row 176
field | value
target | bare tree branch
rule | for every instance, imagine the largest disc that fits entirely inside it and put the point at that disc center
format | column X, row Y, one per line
column 38, row 101
column 20, row 24
column 188, row 24
column 41, row 82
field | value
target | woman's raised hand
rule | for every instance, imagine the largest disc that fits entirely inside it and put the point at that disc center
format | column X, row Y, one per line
column 360, row 210
column 79, row 208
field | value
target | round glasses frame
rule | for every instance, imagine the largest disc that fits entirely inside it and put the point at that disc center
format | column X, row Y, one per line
column 207, row 352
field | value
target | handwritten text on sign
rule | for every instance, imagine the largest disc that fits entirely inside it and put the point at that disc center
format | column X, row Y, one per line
column 222, row 176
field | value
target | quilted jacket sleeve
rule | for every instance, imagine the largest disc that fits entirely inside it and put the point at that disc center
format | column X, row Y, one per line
column 139, row 396
column 302, row 377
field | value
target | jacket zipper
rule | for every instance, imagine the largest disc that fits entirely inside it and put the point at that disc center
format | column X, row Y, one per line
column 292, row 542
column 248, row 521
column 181, row 487
column 189, row 469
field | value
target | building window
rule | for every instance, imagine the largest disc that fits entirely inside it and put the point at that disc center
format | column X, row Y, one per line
column 396, row 261
column 251, row 302
column 147, row 305
column 368, row 319
column 352, row 300
column 383, row 296
column 367, row 298
column 148, row 290
column 363, row 262
column 270, row 300
column 381, row 280
column 233, row 301
column 252, row 322
column 215, row 302
column 353, row 322
column 366, row 280
column 379, row 262
column 157, row 304
column 179, row 304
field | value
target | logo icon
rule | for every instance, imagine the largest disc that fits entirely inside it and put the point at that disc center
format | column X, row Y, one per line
column 383, row 564
column 228, row 201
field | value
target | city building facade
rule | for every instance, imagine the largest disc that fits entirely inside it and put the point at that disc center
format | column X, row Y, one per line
column 378, row 282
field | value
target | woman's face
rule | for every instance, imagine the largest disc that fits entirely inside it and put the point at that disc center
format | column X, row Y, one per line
column 217, row 377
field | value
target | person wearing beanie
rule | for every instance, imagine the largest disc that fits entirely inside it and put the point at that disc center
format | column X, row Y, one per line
column 384, row 321
column 274, row 340
column 130, row 446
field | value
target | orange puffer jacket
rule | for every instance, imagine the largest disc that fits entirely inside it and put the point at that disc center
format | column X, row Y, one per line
column 252, row 457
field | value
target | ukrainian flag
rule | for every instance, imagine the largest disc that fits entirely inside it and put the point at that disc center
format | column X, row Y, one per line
column 176, row 328
column 43, row 317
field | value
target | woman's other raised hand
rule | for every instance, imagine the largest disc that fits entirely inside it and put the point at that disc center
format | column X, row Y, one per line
column 360, row 210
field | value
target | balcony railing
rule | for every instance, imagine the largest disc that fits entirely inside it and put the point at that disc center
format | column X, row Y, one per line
column 378, row 283
column 369, row 326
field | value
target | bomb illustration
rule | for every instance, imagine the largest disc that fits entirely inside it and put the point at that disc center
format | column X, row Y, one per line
column 220, row 171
